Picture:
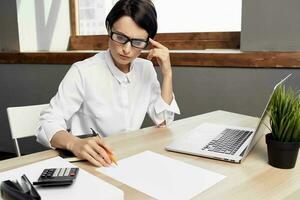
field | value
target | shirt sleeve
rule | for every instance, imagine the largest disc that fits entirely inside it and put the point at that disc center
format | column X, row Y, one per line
column 158, row 110
column 62, row 106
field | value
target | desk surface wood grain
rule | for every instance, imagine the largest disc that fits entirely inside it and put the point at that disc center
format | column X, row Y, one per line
column 253, row 179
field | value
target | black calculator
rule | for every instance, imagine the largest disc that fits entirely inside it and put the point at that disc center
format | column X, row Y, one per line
column 57, row 177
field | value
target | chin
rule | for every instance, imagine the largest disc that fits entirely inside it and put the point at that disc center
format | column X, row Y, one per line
column 123, row 62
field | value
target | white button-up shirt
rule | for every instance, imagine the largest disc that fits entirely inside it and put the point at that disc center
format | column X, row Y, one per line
column 96, row 94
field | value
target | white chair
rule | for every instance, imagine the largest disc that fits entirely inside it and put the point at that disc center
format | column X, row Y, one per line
column 23, row 121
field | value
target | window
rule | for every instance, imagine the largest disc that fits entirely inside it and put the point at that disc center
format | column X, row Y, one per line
column 91, row 16
column 198, row 15
column 194, row 24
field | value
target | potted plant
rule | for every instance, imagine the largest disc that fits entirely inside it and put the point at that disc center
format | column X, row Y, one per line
column 284, row 140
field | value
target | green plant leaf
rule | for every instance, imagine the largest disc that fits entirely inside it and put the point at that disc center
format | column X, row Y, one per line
column 284, row 113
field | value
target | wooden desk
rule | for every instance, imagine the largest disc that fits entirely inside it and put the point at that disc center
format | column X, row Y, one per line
column 253, row 179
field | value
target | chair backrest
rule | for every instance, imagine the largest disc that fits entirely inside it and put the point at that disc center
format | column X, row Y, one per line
column 23, row 121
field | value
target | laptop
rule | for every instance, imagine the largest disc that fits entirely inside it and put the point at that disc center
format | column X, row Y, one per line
column 223, row 142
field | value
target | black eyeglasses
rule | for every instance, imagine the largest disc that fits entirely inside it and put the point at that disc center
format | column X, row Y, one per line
column 123, row 39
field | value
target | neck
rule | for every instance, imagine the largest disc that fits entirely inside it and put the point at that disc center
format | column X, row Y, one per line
column 123, row 68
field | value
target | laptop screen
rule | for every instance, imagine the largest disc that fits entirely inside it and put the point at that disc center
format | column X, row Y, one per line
column 262, row 127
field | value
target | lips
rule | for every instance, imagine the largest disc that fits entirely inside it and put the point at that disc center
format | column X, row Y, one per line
column 124, row 57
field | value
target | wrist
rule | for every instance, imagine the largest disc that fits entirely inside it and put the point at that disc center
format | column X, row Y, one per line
column 168, row 75
column 72, row 143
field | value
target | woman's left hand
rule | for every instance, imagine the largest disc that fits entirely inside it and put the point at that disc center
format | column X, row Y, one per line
column 161, row 53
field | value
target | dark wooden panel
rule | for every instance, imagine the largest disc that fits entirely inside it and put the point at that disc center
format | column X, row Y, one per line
column 92, row 42
column 243, row 59
column 73, row 17
column 249, row 59
column 199, row 36
column 174, row 41
column 43, row 58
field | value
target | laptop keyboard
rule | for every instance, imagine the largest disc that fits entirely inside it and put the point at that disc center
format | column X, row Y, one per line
column 228, row 142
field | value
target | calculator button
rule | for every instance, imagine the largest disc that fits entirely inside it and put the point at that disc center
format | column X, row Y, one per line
column 67, row 172
column 56, row 172
column 73, row 171
column 62, row 171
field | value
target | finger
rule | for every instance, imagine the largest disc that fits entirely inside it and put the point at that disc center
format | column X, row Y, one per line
column 150, row 55
column 102, row 152
column 156, row 44
column 108, row 148
column 89, row 158
column 90, row 150
column 102, row 143
column 156, row 53
column 99, row 158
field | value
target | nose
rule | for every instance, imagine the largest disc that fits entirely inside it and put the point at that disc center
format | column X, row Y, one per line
column 127, row 48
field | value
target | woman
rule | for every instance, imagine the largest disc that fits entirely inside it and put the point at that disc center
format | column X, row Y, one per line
column 112, row 91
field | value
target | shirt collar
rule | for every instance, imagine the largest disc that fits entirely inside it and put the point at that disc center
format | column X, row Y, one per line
column 116, row 72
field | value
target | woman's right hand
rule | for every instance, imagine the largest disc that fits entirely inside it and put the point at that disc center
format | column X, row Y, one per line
column 91, row 149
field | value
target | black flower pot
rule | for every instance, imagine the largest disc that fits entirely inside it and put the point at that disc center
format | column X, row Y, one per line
column 282, row 154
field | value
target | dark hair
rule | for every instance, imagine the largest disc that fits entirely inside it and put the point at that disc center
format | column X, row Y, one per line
column 142, row 12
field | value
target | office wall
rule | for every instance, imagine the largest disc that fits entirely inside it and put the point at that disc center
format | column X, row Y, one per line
column 197, row 90
column 25, row 85
column 270, row 25
column 8, row 19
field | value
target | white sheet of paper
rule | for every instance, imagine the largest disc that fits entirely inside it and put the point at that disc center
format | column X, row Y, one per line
column 162, row 177
column 86, row 186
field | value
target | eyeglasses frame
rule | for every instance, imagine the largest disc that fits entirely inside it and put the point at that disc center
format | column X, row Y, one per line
column 128, row 39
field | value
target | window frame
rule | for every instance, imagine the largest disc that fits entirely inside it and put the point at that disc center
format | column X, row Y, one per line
column 183, row 59
column 173, row 41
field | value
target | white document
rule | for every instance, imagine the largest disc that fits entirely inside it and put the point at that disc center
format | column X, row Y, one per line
column 86, row 186
column 162, row 177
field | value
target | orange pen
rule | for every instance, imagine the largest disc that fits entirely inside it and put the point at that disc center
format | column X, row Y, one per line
column 110, row 154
